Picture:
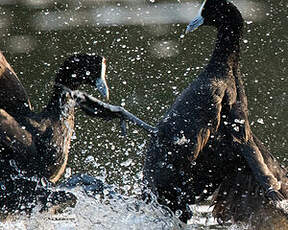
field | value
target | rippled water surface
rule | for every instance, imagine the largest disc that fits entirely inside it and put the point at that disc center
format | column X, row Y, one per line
column 148, row 66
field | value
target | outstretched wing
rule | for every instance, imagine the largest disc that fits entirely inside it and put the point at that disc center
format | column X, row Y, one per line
column 14, row 98
column 244, row 144
column 274, row 166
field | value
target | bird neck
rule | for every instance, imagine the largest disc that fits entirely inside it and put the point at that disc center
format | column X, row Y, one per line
column 227, row 49
column 61, row 104
column 59, row 114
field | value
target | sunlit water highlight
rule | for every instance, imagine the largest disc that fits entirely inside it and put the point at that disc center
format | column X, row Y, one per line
column 135, row 14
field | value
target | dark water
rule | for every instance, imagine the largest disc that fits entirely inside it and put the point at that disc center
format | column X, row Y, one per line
column 148, row 66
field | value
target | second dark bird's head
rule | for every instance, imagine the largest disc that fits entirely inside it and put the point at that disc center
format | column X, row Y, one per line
column 81, row 69
column 216, row 13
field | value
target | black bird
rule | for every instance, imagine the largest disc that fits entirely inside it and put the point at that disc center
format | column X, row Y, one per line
column 205, row 137
column 34, row 146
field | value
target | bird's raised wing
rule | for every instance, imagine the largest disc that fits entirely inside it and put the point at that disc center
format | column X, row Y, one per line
column 14, row 98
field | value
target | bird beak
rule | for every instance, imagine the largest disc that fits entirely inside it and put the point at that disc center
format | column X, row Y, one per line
column 194, row 24
column 102, row 87
column 197, row 21
column 101, row 83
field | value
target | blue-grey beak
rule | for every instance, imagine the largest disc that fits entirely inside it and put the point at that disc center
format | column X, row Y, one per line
column 194, row 24
column 102, row 87
column 101, row 83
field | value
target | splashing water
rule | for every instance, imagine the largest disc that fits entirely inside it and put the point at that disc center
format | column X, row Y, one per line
column 99, row 206
column 110, row 210
column 97, row 213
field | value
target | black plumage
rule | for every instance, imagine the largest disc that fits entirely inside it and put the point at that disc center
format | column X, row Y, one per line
column 204, row 142
column 34, row 147
column 14, row 98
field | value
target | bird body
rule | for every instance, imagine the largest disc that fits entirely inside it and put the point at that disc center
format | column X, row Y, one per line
column 205, row 138
column 34, row 147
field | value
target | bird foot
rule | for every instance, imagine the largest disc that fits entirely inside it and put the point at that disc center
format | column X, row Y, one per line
column 274, row 195
column 57, row 201
column 186, row 215
column 123, row 127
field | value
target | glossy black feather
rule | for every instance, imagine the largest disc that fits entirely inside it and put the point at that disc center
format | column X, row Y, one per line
column 205, row 137
column 34, row 147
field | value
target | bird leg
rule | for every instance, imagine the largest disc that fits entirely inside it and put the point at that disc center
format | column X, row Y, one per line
column 123, row 127
column 97, row 108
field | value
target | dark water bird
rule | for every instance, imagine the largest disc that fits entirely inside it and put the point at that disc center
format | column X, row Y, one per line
column 34, row 146
column 205, row 143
